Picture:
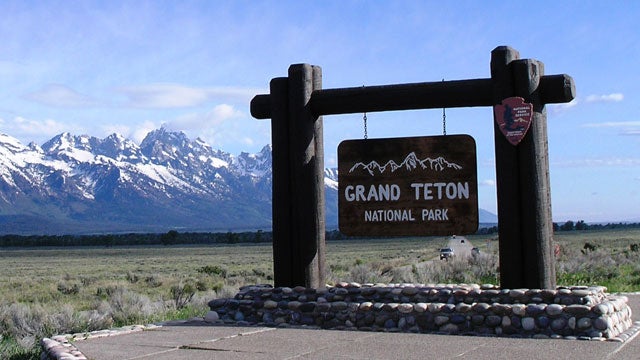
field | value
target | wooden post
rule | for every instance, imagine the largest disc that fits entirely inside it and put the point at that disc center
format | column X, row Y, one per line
column 507, row 175
column 523, row 186
column 535, row 186
column 306, row 156
column 283, row 268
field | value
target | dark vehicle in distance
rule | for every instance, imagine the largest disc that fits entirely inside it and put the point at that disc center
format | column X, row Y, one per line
column 446, row 253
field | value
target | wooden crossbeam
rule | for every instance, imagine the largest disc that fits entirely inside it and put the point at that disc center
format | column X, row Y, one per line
column 553, row 89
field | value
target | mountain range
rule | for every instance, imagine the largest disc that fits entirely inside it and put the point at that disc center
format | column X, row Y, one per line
column 83, row 184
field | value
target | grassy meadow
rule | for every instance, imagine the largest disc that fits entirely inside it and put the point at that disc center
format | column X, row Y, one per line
column 46, row 291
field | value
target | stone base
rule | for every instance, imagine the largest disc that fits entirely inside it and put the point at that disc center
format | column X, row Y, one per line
column 577, row 312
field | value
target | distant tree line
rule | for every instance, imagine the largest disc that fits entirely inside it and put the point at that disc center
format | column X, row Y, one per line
column 173, row 237
column 571, row 226
column 581, row 225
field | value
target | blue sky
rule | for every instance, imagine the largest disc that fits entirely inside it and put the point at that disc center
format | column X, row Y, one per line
column 98, row 67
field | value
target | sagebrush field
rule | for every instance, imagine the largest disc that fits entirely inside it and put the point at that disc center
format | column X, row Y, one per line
column 46, row 291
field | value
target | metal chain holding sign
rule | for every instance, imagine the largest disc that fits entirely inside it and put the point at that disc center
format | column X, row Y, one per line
column 364, row 121
column 444, row 120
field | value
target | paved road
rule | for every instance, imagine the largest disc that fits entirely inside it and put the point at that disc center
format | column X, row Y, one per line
column 196, row 341
column 461, row 246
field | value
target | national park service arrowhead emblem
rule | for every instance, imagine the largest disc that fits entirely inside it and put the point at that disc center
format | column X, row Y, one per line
column 513, row 117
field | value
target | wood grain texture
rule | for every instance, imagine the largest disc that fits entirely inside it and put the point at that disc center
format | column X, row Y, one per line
column 535, row 186
column 426, row 95
column 306, row 156
column 281, row 197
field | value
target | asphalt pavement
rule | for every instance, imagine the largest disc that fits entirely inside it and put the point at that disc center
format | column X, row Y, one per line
column 199, row 340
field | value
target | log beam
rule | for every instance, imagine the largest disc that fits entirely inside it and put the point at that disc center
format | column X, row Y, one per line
column 553, row 89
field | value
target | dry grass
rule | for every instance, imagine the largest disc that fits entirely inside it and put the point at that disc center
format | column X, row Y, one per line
column 605, row 258
column 51, row 291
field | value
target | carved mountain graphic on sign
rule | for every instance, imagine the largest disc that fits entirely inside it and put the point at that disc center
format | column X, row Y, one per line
column 413, row 186
column 410, row 163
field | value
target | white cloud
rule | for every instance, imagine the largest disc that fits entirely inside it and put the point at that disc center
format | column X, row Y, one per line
column 242, row 133
column 223, row 112
column 140, row 132
column 164, row 96
column 248, row 141
column 330, row 161
column 203, row 121
column 612, row 124
column 115, row 128
column 560, row 108
column 590, row 99
column 60, row 96
column 629, row 128
column 176, row 95
column 626, row 162
column 488, row 182
column 22, row 127
column 613, row 97
column 136, row 133
column 223, row 126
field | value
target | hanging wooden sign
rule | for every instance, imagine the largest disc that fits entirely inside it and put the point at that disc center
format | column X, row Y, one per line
column 415, row 186
column 513, row 117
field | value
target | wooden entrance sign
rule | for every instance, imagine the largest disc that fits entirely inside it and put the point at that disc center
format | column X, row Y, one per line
column 296, row 105
column 415, row 186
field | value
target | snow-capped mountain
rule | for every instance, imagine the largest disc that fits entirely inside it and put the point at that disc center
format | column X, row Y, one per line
column 83, row 184
column 76, row 184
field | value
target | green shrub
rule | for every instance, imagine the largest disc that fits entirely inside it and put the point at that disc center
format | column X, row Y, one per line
column 153, row 281
column 127, row 307
column 363, row 274
column 213, row 270
column 68, row 288
column 86, row 280
column 132, row 277
column 480, row 269
column 218, row 286
column 182, row 294
column 402, row 275
column 11, row 349
column 588, row 248
column 226, row 292
column 201, row 285
column 259, row 272
column 107, row 291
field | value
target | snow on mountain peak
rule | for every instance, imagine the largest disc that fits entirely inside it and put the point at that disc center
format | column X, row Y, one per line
column 254, row 165
column 10, row 142
column 331, row 178
column 168, row 179
column 178, row 139
column 33, row 146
